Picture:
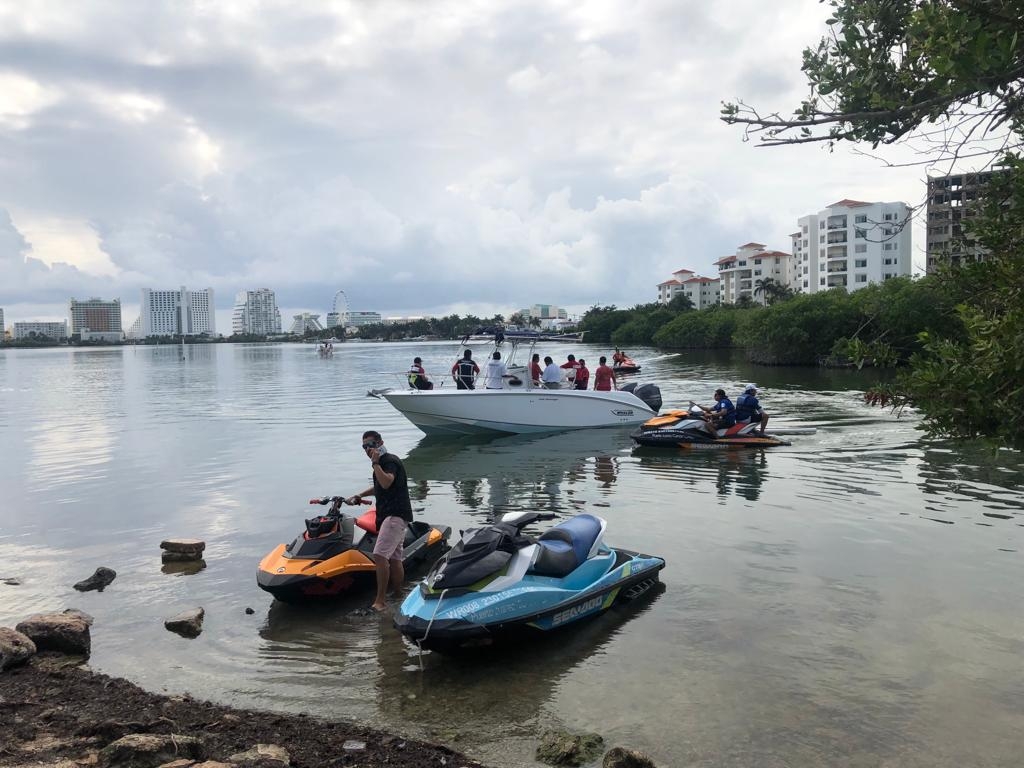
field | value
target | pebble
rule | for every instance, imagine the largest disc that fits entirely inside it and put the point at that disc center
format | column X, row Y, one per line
column 354, row 746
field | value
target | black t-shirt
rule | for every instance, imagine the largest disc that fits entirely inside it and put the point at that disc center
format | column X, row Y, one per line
column 394, row 500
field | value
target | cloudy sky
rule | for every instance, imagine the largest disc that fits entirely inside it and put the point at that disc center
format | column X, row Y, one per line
column 425, row 156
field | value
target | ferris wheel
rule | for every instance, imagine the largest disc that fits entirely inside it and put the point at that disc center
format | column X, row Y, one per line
column 339, row 312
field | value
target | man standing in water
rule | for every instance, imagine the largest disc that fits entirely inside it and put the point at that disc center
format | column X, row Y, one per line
column 394, row 512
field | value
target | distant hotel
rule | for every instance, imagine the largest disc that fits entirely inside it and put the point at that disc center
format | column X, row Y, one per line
column 96, row 319
column 173, row 313
column 952, row 201
column 28, row 330
column 701, row 291
column 256, row 313
column 305, row 322
column 356, row 319
column 851, row 244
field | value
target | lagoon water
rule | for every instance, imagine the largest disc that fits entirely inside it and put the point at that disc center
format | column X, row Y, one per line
column 853, row 600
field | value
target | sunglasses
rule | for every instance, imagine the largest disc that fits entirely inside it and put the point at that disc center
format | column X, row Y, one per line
column 368, row 446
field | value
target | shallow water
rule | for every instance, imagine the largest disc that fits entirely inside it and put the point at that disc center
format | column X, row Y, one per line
column 851, row 600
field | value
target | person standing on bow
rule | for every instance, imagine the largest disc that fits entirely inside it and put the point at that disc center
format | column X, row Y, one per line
column 390, row 489
column 465, row 371
column 604, row 377
column 582, row 375
column 495, row 372
column 535, row 371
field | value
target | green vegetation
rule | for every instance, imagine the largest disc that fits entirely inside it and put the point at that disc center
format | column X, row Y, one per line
column 948, row 73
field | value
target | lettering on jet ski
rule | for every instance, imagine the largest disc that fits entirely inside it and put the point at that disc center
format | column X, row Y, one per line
column 577, row 610
column 623, row 412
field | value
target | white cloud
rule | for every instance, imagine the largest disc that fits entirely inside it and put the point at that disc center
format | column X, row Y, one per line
column 422, row 157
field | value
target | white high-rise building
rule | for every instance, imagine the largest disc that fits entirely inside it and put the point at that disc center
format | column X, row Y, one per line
column 851, row 244
column 256, row 313
column 742, row 272
column 2, row 332
column 173, row 313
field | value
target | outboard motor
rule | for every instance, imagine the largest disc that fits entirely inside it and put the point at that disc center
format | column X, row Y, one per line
column 650, row 394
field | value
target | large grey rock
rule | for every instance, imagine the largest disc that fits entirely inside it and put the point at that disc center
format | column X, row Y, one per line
column 620, row 757
column 80, row 614
column 192, row 547
column 149, row 750
column 262, row 756
column 187, row 623
column 63, row 632
column 15, row 648
column 573, row 749
column 100, row 579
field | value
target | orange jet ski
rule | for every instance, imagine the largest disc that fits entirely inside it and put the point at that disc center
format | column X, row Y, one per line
column 325, row 561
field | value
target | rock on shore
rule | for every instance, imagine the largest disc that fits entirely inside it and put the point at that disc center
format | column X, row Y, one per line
column 98, row 581
column 66, row 632
column 187, row 623
column 15, row 648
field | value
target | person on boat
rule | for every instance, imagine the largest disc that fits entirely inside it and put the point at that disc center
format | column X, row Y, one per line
column 465, row 371
column 619, row 357
column 390, row 489
column 552, row 375
column 604, row 376
column 570, row 366
column 721, row 415
column 749, row 410
column 495, row 372
column 535, row 370
column 418, row 377
column 582, row 375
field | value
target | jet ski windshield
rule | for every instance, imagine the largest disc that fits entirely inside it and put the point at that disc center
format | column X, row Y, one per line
column 481, row 553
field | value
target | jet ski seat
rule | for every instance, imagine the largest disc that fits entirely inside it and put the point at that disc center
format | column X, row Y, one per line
column 563, row 549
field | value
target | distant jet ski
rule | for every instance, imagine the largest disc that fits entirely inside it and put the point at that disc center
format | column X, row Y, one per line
column 687, row 429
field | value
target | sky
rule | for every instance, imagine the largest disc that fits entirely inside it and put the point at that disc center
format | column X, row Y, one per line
column 423, row 156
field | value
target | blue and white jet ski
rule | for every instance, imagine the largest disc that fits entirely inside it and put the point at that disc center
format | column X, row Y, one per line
column 497, row 580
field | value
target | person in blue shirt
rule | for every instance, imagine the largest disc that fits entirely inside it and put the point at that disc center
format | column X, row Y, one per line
column 721, row 415
column 748, row 408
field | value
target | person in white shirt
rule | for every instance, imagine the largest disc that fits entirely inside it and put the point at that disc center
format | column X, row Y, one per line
column 495, row 372
column 552, row 376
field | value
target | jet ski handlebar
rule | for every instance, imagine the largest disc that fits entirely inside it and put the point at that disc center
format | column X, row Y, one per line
column 336, row 500
column 520, row 520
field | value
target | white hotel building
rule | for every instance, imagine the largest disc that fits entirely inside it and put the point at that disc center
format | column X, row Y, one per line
column 256, row 313
column 174, row 313
column 741, row 272
column 701, row 291
column 851, row 244
column 51, row 330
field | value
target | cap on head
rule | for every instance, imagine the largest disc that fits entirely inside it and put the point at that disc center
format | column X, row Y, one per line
column 750, row 388
column 417, row 360
column 496, row 355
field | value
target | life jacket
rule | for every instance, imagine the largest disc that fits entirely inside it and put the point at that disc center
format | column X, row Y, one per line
column 465, row 369
column 745, row 410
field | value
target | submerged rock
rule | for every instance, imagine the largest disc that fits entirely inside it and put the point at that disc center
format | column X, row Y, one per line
column 187, row 567
column 620, row 757
column 573, row 749
column 11, row 581
column 98, row 581
column 15, row 648
column 262, row 756
column 149, row 750
column 187, row 623
column 63, row 632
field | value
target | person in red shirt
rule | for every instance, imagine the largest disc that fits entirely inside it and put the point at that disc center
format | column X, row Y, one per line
column 535, row 369
column 571, row 366
column 604, row 377
column 582, row 375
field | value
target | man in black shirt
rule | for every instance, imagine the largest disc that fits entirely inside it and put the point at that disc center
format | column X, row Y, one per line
column 394, row 513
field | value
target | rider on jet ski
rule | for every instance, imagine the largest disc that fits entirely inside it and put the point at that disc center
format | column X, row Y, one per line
column 721, row 415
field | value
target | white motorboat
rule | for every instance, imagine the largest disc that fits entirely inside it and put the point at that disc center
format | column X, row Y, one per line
column 518, row 410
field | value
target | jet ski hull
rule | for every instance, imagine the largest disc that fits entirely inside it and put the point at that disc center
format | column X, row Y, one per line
column 295, row 579
column 674, row 439
column 538, row 604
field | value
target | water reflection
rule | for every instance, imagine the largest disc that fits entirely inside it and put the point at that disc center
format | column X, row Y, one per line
column 740, row 472
column 522, row 471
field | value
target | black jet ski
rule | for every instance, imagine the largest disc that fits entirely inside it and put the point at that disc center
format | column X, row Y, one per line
column 687, row 429
column 497, row 581
column 325, row 561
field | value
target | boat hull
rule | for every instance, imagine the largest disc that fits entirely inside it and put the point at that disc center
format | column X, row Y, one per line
column 526, row 411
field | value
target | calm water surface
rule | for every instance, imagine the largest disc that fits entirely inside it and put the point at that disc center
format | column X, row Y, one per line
column 854, row 600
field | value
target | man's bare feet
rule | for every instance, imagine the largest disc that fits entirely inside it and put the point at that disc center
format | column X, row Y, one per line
column 379, row 607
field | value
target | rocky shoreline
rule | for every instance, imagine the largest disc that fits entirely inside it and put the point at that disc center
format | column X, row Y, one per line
column 56, row 711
